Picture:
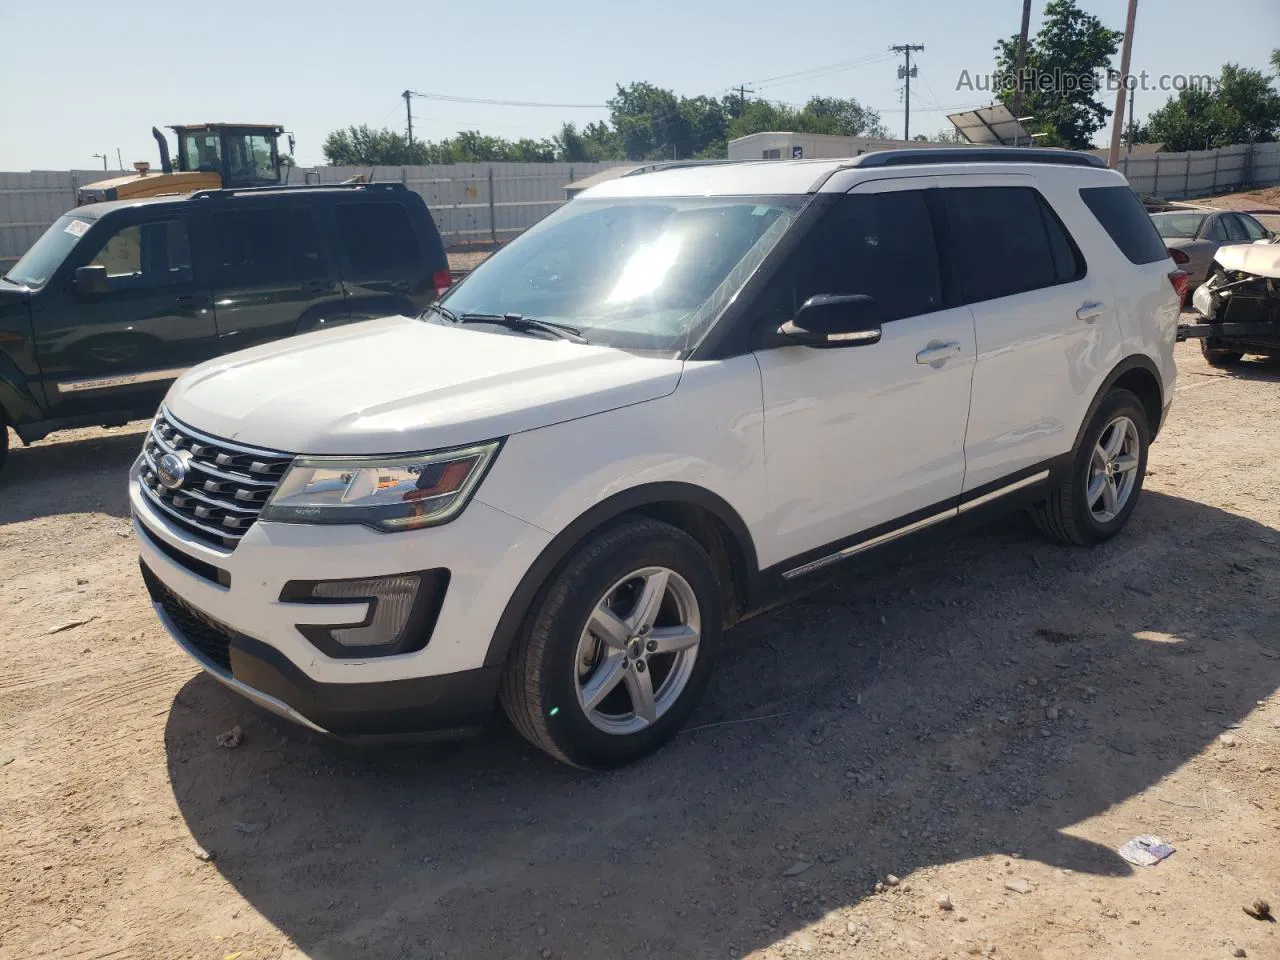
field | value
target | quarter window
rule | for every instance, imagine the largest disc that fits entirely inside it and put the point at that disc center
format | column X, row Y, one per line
column 1007, row 240
column 1120, row 212
column 376, row 237
column 1252, row 228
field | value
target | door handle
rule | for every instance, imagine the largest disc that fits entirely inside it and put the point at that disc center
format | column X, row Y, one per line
column 189, row 303
column 1090, row 311
column 319, row 286
column 938, row 353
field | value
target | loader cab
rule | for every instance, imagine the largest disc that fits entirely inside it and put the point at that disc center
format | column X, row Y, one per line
column 242, row 155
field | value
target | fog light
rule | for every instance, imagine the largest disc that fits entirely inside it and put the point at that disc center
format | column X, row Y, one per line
column 402, row 612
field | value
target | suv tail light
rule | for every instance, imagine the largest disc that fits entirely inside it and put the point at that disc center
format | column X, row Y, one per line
column 1181, row 281
column 1178, row 256
column 442, row 280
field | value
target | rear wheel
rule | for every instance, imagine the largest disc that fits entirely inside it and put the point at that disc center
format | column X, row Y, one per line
column 618, row 647
column 1092, row 503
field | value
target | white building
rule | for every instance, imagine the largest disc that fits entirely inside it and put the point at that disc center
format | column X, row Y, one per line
column 808, row 146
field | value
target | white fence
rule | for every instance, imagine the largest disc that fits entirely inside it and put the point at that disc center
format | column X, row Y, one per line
column 1202, row 173
column 471, row 202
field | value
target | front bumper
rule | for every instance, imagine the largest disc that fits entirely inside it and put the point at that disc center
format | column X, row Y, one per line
column 256, row 648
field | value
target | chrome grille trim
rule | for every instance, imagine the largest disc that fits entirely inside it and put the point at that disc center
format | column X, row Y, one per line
column 227, row 483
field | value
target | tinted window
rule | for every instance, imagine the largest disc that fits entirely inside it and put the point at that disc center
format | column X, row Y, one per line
column 377, row 237
column 145, row 255
column 1174, row 226
column 1235, row 228
column 1121, row 215
column 1252, row 228
column 276, row 245
column 1214, row 230
column 1006, row 240
column 879, row 244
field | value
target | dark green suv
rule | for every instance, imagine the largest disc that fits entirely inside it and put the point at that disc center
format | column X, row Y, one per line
column 116, row 300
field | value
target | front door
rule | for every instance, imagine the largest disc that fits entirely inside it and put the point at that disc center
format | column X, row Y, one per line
column 866, row 441
column 118, row 351
column 273, row 279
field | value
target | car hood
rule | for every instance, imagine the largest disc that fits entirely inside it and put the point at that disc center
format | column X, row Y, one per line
column 1260, row 258
column 398, row 385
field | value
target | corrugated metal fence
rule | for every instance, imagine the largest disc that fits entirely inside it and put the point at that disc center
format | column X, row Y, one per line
column 471, row 202
column 1202, row 173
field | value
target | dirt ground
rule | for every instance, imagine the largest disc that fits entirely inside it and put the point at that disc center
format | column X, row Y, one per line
column 987, row 724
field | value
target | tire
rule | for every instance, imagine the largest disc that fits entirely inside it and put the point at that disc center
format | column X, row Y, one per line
column 547, row 683
column 1217, row 356
column 4, row 440
column 1067, row 513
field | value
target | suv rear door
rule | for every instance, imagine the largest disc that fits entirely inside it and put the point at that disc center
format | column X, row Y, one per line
column 1046, row 328
column 118, row 351
column 865, row 441
column 272, row 275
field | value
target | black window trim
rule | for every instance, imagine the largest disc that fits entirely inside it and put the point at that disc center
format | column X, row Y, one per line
column 141, row 218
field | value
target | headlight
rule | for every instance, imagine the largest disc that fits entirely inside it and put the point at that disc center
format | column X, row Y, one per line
column 403, row 493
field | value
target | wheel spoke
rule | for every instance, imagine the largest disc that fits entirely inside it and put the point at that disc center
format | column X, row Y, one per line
column 1097, row 486
column 673, row 639
column 606, row 625
column 650, row 601
column 640, row 687
column 1099, row 462
column 607, row 676
column 1126, row 463
column 1116, row 441
column 1109, row 498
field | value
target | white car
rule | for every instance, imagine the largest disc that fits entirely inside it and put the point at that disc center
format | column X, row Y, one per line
column 682, row 397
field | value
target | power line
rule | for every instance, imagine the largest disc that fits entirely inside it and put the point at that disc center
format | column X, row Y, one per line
column 812, row 73
column 446, row 98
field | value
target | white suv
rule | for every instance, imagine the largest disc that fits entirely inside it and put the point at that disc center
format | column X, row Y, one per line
column 682, row 397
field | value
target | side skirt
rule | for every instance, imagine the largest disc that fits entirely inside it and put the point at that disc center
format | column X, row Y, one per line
column 809, row 571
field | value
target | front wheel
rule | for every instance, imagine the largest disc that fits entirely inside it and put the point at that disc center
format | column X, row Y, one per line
column 1092, row 503
column 1217, row 356
column 618, row 647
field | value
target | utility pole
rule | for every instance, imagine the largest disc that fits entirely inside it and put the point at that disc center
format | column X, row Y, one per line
column 1117, row 121
column 1133, row 127
column 905, row 73
column 1021, row 59
column 104, row 160
column 408, row 113
column 119, row 160
column 742, row 99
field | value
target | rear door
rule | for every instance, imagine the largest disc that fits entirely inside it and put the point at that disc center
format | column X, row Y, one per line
column 272, row 275
column 385, row 269
column 1046, row 328
column 118, row 351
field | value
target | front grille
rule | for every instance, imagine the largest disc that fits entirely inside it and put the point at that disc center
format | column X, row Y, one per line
column 226, row 483
column 212, row 640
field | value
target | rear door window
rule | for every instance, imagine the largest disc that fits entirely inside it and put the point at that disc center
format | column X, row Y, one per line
column 1235, row 228
column 1120, row 212
column 267, row 246
column 377, row 238
column 1006, row 240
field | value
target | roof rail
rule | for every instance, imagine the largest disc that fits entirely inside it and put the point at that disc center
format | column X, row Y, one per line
column 676, row 164
column 222, row 192
column 909, row 156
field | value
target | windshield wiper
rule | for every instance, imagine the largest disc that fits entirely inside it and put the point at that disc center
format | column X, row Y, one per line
column 440, row 309
column 518, row 321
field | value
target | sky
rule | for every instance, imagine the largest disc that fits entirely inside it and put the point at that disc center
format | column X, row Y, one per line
column 81, row 78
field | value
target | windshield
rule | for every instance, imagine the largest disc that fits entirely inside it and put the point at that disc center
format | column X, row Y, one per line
column 39, row 263
column 647, row 274
column 1178, row 224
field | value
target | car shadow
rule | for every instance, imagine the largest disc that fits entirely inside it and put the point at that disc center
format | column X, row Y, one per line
column 985, row 698
column 60, row 475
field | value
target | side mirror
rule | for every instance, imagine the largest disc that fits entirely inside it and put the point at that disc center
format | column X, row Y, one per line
column 91, row 280
column 830, row 320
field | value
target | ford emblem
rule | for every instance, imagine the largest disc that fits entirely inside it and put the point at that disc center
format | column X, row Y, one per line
column 171, row 471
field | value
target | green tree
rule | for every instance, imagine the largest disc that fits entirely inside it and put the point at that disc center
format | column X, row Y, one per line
column 595, row 142
column 843, row 118
column 1275, row 60
column 363, row 146
column 1062, row 79
column 1242, row 106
